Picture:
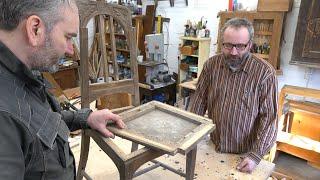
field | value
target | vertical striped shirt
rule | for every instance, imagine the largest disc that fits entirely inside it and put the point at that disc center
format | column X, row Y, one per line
column 242, row 104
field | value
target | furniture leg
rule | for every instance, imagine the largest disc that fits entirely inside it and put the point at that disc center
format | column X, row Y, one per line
column 190, row 163
column 171, row 3
column 85, row 143
column 187, row 101
column 134, row 146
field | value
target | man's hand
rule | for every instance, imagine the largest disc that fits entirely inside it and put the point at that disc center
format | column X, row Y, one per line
column 98, row 120
column 247, row 165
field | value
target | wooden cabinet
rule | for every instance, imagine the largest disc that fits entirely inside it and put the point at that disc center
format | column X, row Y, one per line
column 306, row 47
column 267, row 33
column 66, row 77
column 194, row 52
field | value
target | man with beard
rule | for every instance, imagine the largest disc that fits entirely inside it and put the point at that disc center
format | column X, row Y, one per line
column 239, row 91
column 34, row 131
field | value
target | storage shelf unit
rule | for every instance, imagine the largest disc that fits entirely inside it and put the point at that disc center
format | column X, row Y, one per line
column 200, row 55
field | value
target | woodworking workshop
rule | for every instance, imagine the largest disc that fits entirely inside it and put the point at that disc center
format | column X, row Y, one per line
column 160, row 89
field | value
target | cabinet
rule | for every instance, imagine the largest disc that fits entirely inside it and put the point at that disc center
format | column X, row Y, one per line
column 267, row 33
column 193, row 54
column 306, row 47
column 66, row 77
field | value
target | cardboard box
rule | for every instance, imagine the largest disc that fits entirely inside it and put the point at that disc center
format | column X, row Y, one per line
column 275, row 5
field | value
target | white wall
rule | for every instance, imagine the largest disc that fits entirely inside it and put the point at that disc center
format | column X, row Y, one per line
column 180, row 13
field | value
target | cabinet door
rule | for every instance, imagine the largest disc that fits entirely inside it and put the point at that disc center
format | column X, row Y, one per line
column 311, row 48
column 306, row 47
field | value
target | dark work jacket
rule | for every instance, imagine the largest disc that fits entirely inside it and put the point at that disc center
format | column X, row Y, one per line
column 33, row 130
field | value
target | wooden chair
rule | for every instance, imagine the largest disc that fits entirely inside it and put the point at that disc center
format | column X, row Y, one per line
column 90, row 92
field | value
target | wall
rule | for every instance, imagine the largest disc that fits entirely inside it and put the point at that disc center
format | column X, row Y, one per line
column 180, row 13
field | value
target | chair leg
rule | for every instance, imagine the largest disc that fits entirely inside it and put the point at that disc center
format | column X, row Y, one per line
column 171, row 3
column 191, row 163
column 156, row 3
column 134, row 146
column 85, row 143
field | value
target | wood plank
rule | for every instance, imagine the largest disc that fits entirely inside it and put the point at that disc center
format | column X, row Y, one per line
column 141, row 140
column 299, row 141
column 195, row 137
column 295, row 90
column 303, row 153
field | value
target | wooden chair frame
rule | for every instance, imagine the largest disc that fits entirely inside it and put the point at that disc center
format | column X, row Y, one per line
column 89, row 92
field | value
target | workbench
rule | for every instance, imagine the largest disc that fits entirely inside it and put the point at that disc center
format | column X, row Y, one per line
column 209, row 165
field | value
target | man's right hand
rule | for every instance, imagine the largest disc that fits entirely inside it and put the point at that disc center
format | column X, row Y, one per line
column 98, row 120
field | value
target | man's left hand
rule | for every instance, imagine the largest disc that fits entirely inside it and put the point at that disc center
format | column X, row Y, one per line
column 247, row 165
column 98, row 120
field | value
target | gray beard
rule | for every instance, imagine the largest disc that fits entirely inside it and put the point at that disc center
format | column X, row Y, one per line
column 51, row 69
column 45, row 59
column 235, row 65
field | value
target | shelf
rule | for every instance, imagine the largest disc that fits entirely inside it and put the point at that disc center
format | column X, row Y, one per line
column 120, row 64
column 116, row 34
column 193, row 55
column 125, row 65
column 194, row 38
column 123, row 50
column 264, row 33
column 151, row 63
column 118, row 49
column 264, row 56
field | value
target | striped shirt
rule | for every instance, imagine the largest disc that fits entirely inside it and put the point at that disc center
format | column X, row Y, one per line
column 242, row 104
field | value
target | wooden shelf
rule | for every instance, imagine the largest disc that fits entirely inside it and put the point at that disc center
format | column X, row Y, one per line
column 116, row 34
column 123, row 50
column 202, row 55
column 118, row 49
column 194, row 38
column 124, row 65
column 193, row 55
column 151, row 63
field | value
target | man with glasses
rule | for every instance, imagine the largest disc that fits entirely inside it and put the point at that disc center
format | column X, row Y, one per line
column 239, row 91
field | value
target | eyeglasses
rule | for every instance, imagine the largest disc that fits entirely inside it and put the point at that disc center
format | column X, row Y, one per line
column 239, row 47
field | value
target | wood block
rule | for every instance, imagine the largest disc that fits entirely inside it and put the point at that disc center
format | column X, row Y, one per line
column 275, row 5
